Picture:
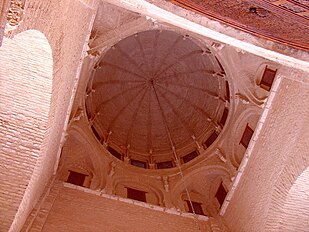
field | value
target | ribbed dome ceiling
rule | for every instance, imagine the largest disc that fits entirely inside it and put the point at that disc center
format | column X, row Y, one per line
column 153, row 91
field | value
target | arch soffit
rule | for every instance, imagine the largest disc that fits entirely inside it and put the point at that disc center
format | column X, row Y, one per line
column 40, row 83
column 296, row 205
column 81, row 136
column 41, row 53
column 208, row 170
column 238, row 126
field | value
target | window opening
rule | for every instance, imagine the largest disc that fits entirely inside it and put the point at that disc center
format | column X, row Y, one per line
column 268, row 78
column 246, row 137
column 135, row 194
column 76, row 178
column 96, row 133
column 138, row 163
column 114, row 152
column 196, row 206
column 163, row 165
column 211, row 139
column 221, row 194
column 227, row 91
column 220, row 65
column 224, row 116
column 190, row 156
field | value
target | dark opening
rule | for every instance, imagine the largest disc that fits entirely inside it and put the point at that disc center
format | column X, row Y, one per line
column 227, row 91
column 166, row 164
column 96, row 133
column 268, row 78
column 220, row 65
column 138, row 163
column 114, row 152
column 246, row 136
column 76, row 178
column 136, row 194
column 211, row 139
column 190, row 156
column 252, row 9
column 224, row 116
column 221, row 194
column 196, row 206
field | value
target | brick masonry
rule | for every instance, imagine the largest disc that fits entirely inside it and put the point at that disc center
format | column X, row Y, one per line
column 26, row 89
column 76, row 210
column 37, row 128
column 279, row 157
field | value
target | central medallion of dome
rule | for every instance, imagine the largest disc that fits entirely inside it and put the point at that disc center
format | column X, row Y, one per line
column 156, row 93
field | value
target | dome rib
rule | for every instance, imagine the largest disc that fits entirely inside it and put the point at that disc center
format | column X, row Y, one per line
column 123, row 108
column 129, row 134
column 206, row 72
column 121, row 69
column 184, row 124
column 101, row 84
column 173, row 46
column 164, row 121
column 185, row 56
column 141, row 49
column 129, row 58
column 197, row 108
column 149, row 127
column 209, row 93
column 155, row 45
column 99, row 108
